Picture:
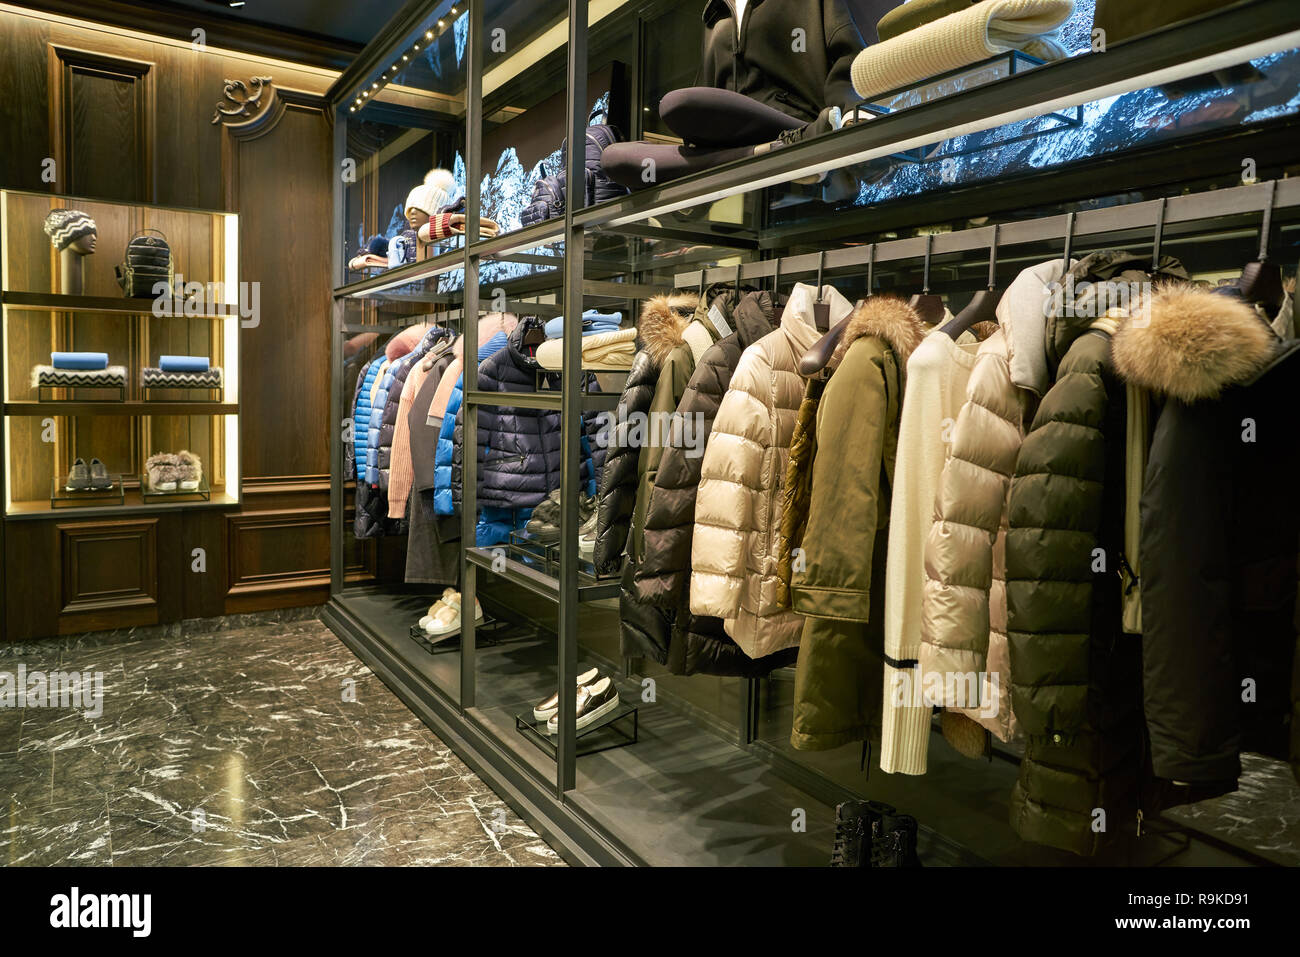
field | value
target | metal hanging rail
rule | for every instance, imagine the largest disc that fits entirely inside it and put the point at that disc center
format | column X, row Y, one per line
column 1066, row 227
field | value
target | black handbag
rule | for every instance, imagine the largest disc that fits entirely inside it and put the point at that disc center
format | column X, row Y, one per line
column 148, row 262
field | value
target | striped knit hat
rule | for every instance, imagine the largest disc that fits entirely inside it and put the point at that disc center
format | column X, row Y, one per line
column 66, row 226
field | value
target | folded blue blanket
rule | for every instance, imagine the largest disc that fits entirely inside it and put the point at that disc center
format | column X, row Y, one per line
column 183, row 363
column 79, row 360
column 593, row 321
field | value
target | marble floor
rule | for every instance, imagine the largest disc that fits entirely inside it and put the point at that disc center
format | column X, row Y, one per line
column 266, row 744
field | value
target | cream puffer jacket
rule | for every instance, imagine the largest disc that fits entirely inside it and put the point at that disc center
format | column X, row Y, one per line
column 964, row 608
column 736, row 542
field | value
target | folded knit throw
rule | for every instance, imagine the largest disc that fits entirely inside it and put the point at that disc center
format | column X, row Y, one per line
column 114, row 377
column 960, row 39
column 611, row 351
column 158, row 378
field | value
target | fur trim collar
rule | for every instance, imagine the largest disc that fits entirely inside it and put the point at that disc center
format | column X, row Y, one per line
column 891, row 320
column 663, row 321
column 1191, row 344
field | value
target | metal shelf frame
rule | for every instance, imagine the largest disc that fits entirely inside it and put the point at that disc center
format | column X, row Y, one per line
column 1212, row 41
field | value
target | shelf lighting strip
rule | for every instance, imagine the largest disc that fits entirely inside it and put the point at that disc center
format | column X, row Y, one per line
column 391, row 73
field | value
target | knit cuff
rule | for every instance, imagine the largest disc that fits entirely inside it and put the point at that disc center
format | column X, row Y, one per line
column 440, row 225
column 905, row 725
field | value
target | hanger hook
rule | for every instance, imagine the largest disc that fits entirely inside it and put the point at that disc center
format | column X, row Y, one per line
column 925, row 274
column 738, row 265
column 776, row 277
column 1266, row 226
column 1160, row 234
column 871, row 272
column 821, row 265
column 993, row 258
column 1069, row 241
column 703, row 272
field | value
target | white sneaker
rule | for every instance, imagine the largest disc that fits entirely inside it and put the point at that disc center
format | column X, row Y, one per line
column 447, row 621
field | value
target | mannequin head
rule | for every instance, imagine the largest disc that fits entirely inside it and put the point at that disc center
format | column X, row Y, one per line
column 429, row 197
column 72, row 230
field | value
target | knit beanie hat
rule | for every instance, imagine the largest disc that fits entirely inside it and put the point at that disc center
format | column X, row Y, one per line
column 66, row 226
column 378, row 245
column 433, row 194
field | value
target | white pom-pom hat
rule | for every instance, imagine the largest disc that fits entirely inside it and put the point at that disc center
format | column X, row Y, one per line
column 433, row 194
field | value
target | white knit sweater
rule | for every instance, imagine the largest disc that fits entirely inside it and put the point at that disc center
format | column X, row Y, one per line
column 936, row 386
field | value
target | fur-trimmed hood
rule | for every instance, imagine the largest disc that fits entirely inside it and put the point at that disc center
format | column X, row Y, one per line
column 1189, row 343
column 891, row 320
column 663, row 321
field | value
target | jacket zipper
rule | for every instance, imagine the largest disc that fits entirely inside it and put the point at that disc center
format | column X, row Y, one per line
column 507, row 460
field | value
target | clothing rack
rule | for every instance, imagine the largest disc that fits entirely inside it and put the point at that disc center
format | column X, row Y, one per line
column 1065, row 227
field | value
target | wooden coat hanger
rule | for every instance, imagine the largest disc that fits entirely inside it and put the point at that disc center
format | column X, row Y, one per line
column 1261, row 280
column 929, row 308
column 983, row 306
column 821, row 308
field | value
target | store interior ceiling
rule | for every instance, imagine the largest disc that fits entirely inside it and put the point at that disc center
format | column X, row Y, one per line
column 345, row 23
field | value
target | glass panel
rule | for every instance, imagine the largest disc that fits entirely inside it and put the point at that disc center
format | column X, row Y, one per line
column 405, row 136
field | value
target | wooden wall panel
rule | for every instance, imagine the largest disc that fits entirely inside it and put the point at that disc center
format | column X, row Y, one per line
column 132, row 116
column 108, row 574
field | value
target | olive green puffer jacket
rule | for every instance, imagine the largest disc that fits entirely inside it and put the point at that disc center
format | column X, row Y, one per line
column 1076, row 677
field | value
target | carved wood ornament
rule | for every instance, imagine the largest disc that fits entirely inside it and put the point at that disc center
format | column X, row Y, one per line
column 245, row 103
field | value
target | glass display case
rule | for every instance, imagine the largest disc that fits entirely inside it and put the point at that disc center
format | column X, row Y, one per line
column 100, row 387
column 946, row 187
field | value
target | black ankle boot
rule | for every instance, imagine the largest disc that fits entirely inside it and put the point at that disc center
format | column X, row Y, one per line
column 856, row 825
column 895, row 843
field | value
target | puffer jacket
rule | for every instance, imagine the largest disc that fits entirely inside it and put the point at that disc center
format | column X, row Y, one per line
column 699, row 644
column 735, row 548
column 1076, row 680
column 647, row 629
column 838, row 585
column 659, row 331
column 518, row 448
column 356, row 450
column 964, row 609
column 388, row 416
column 445, row 457
column 384, row 398
column 1219, row 534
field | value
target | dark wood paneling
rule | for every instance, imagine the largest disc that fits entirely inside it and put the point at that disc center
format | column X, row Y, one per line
column 102, row 118
column 281, row 186
column 108, row 574
column 274, row 554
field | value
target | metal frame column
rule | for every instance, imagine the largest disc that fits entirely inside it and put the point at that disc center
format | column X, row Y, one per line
column 571, row 398
column 469, row 350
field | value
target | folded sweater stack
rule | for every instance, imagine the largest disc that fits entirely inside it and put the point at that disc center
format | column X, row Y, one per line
column 960, row 39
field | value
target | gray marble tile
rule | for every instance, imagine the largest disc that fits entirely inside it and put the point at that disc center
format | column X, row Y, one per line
column 42, row 835
column 237, row 745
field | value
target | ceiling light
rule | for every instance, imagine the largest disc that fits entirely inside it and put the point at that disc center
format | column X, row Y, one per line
column 352, row 109
column 405, row 57
column 365, row 92
column 236, row 3
column 374, row 86
column 416, row 47
column 428, row 34
column 441, row 24
column 453, row 9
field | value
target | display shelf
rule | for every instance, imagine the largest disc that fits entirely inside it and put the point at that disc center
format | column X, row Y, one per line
column 548, row 586
column 617, row 729
column 133, row 504
column 134, row 407
column 61, row 497
column 1224, row 38
column 56, row 302
column 105, row 305
column 201, row 494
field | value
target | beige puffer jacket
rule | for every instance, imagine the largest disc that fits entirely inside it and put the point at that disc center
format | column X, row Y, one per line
column 964, row 608
column 736, row 543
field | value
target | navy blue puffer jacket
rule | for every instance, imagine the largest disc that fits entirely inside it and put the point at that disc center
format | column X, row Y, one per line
column 519, row 455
